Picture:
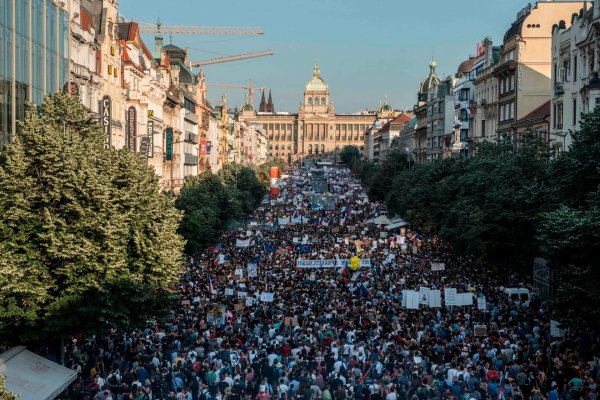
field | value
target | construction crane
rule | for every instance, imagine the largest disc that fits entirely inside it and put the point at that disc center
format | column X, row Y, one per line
column 159, row 28
column 237, row 57
column 250, row 89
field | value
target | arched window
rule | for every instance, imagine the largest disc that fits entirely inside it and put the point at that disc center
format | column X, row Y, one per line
column 323, row 101
column 322, row 148
column 310, row 101
column 316, row 149
column 316, row 101
column 310, row 149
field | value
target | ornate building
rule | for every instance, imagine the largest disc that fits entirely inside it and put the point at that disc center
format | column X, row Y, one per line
column 315, row 129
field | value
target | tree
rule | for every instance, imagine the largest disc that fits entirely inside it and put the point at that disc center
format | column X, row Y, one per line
column 5, row 394
column 349, row 154
column 85, row 235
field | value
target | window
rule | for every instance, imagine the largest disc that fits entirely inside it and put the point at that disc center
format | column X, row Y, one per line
column 567, row 70
column 512, row 83
column 502, row 118
column 464, row 135
column 322, row 101
column 310, row 101
column 316, row 101
column 483, row 128
column 555, row 73
column 574, row 112
column 559, row 116
column 575, row 69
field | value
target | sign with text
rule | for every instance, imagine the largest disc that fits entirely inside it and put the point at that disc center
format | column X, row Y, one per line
column 438, row 266
column 106, row 121
column 169, row 144
column 131, row 127
column 150, row 151
column 202, row 150
column 332, row 263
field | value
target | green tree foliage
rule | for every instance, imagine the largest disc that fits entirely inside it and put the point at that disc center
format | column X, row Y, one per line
column 211, row 201
column 5, row 394
column 83, row 230
column 349, row 155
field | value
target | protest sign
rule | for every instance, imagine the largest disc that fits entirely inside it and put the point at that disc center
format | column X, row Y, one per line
column 435, row 299
column 329, row 263
column 481, row 303
column 249, row 301
column 252, row 270
column 424, row 295
column 438, row 266
column 450, row 296
column 266, row 297
column 241, row 295
column 228, row 292
column 216, row 314
column 242, row 243
column 480, row 330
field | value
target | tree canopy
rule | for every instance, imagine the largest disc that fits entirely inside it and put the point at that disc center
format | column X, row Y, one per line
column 510, row 202
column 85, row 236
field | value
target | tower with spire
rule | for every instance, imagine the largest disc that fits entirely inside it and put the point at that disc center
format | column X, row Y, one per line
column 270, row 107
column 263, row 103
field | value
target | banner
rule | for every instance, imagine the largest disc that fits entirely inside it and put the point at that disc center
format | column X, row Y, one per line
column 283, row 221
column 464, row 299
column 150, row 138
column 216, row 314
column 435, row 299
column 424, row 295
column 252, row 270
column 131, row 128
column 481, row 303
column 332, row 263
column 202, row 150
column 106, row 121
column 450, row 296
column 410, row 299
column 169, row 144
column 242, row 243
column 266, row 297
column 208, row 146
column 435, row 266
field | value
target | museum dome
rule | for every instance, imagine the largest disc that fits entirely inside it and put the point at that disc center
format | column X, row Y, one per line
column 316, row 83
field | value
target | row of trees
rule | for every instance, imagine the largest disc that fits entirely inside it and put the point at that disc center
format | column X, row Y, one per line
column 509, row 203
column 87, row 240
column 212, row 202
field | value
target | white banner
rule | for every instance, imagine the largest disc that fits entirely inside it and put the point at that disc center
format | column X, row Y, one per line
column 283, row 221
column 266, row 297
column 464, row 299
column 410, row 299
column 365, row 262
column 242, row 243
column 424, row 295
column 435, row 299
column 450, row 296
column 481, row 303
column 435, row 266
column 228, row 292
column 252, row 270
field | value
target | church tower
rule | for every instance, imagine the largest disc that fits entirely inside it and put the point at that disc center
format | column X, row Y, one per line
column 263, row 104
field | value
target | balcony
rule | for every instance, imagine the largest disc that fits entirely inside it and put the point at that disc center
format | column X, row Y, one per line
column 80, row 71
column 190, row 137
column 559, row 89
column 190, row 116
column 190, row 159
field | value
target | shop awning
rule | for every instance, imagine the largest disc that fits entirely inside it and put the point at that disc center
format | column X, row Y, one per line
column 33, row 377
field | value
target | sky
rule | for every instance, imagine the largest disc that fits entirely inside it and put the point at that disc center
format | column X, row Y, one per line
column 368, row 50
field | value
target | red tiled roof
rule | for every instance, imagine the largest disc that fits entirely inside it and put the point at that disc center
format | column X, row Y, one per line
column 537, row 115
column 402, row 119
column 87, row 20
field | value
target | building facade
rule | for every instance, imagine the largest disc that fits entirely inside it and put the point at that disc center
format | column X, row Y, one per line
column 34, row 57
column 575, row 78
column 525, row 69
column 421, row 111
column 315, row 129
column 485, row 120
column 464, row 109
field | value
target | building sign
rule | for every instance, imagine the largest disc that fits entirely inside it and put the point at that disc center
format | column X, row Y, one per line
column 131, row 127
column 169, row 144
column 106, row 113
column 524, row 11
column 203, row 147
column 208, row 146
column 144, row 144
column 150, row 150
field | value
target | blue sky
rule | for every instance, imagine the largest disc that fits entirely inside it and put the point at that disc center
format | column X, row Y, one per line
column 367, row 49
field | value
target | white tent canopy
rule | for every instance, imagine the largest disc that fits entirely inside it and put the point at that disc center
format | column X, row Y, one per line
column 33, row 376
column 382, row 220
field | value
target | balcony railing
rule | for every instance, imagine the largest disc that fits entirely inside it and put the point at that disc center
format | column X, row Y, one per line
column 190, row 159
column 559, row 89
column 191, row 137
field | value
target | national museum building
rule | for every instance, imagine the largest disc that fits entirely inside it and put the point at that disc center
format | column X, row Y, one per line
column 316, row 128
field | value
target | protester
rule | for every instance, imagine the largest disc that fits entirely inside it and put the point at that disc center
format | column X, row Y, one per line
column 252, row 325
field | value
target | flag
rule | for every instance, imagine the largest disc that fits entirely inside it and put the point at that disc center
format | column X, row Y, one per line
column 270, row 248
column 304, row 249
column 501, row 390
column 363, row 290
column 210, row 285
column 218, row 247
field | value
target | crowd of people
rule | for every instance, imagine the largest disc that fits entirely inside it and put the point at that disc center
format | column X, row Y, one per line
column 251, row 324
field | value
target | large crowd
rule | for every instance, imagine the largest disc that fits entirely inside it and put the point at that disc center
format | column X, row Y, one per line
column 252, row 325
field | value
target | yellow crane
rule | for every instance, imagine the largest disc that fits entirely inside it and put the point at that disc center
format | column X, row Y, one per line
column 251, row 88
column 236, row 57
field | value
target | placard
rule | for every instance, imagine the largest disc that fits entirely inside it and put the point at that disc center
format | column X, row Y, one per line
column 435, row 299
column 216, row 314
column 424, row 295
column 290, row 321
column 480, row 330
column 481, row 303
column 241, row 295
column 249, row 301
column 450, row 296
column 252, row 270
column 228, row 292
column 266, row 297
column 438, row 266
